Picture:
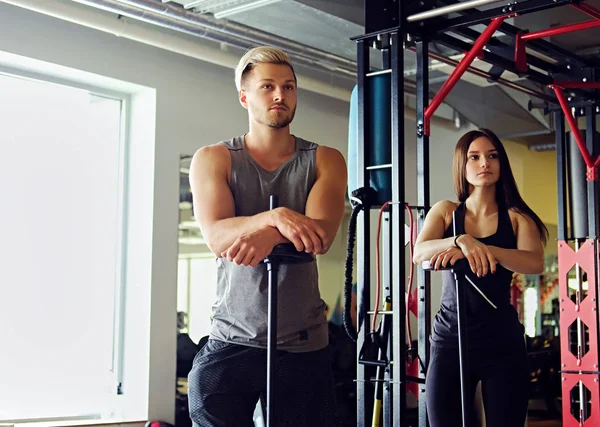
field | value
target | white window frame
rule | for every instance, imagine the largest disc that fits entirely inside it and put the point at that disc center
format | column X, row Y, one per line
column 139, row 102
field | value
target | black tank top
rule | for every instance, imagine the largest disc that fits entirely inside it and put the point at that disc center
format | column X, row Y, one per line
column 486, row 326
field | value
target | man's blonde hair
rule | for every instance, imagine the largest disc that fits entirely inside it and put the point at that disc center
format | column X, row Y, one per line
column 259, row 55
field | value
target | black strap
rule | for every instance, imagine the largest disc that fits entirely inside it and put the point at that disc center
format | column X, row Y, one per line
column 459, row 217
column 455, row 238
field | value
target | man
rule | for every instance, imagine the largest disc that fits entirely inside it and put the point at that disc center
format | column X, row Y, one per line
column 231, row 183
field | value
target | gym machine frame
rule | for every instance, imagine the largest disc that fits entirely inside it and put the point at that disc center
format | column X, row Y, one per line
column 392, row 26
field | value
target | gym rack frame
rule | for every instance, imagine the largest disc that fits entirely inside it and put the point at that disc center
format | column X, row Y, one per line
column 394, row 25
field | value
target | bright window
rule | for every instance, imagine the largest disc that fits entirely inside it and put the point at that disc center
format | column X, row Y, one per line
column 203, row 291
column 197, row 292
column 61, row 181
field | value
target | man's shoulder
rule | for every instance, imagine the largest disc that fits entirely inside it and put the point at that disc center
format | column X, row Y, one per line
column 211, row 150
column 232, row 144
column 215, row 154
column 305, row 144
column 222, row 147
column 330, row 156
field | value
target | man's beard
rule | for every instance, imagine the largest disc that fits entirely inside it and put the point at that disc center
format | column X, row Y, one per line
column 277, row 120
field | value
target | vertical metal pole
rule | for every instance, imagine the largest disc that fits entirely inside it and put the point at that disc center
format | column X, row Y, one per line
column 577, row 211
column 272, row 345
column 592, row 186
column 580, row 334
column 423, row 277
column 388, row 410
column 272, row 336
column 559, row 126
column 463, row 353
column 363, row 231
column 387, row 391
column 568, row 160
column 593, row 146
column 398, row 248
column 382, row 396
column 386, row 335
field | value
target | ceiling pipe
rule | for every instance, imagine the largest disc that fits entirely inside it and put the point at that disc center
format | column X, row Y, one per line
column 252, row 36
column 180, row 19
column 152, row 13
column 239, row 30
column 132, row 30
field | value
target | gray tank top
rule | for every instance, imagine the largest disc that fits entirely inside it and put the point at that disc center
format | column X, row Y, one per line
column 240, row 312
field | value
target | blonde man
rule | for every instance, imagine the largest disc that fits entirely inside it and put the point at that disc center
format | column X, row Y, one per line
column 231, row 184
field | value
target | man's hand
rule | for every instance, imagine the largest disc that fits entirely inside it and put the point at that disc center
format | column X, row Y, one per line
column 445, row 258
column 305, row 233
column 479, row 255
column 251, row 248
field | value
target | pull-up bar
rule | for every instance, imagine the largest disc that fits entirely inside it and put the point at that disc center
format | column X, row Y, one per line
column 449, row 9
column 561, row 30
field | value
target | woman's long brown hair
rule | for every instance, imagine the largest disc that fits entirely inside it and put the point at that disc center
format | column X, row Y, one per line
column 507, row 193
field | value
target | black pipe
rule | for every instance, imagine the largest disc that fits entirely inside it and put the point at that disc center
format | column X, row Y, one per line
column 578, row 198
column 272, row 335
column 461, row 311
column 561, row 176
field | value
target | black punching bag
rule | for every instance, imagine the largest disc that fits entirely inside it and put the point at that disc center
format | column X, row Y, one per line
column 578, row 201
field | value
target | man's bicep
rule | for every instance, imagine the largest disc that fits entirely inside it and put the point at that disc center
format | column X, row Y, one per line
column 326, row 201
column 212, row 196
column 327, row 197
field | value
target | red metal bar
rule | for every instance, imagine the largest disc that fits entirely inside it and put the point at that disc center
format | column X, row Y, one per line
column 590, row 163
column 561, row 30
column 576, row 85
column 586, row 8
column 520, row 54
column 460, row 70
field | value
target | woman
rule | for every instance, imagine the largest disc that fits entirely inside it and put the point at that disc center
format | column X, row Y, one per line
column 498, row 234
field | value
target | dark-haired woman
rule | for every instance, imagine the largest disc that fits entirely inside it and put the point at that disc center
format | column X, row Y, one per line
column 498, row 234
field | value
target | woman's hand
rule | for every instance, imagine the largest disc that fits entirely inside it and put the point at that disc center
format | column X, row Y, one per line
column 445, row 258
column 479, row 255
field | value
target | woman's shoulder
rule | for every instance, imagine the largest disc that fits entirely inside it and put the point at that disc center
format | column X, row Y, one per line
column 518, row 217
column 444, row 209
column 446, row 206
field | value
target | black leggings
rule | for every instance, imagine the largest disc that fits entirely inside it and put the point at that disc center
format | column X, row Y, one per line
column 227, row 379
column 504, row 376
